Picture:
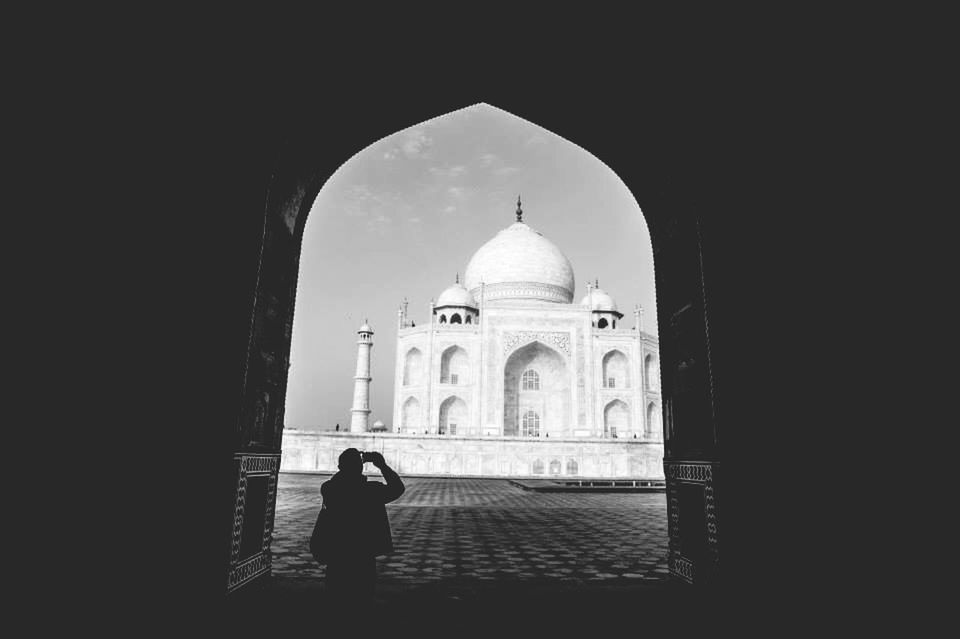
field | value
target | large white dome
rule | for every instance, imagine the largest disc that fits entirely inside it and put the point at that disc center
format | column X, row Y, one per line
column 519, row 263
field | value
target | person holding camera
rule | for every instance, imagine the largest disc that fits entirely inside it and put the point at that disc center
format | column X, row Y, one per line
column 361, row 528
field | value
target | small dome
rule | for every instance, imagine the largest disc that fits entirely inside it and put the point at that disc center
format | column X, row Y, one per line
column 377, row 423
column 456, row 295
column 365, row 328
column 601, row 301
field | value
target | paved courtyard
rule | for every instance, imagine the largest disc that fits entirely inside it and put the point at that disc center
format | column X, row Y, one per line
column 464, row 533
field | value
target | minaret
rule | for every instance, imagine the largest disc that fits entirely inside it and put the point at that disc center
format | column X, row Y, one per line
column 361, row 385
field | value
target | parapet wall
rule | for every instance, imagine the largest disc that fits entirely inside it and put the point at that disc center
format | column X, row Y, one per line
column 445, row 455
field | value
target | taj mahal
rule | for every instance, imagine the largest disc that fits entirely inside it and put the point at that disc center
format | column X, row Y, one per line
column 509, row 376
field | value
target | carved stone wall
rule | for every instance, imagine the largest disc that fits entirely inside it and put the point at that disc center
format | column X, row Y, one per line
column 512, row 340
column 443, row 455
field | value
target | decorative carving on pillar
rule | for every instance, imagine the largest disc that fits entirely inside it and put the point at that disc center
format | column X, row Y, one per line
column 691, row 472
column 699, row 474
column 245, row 567
column 711, row 509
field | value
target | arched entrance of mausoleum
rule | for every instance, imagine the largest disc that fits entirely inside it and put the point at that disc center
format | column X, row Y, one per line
column 536, row 379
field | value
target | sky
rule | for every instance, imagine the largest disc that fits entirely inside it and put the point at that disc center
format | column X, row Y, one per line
column 403, row 216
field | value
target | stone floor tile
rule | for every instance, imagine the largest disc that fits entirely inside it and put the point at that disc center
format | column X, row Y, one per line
column 482, row 529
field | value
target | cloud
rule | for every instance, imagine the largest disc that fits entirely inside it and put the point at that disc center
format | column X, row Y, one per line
column 415, row 220
column 359, row 192
column 536, row 139
column 359, row 199
column 379, row 208
column 459, row 192
column 416, row 143
column 379, row 224
column 490, row 159
column 450, row 209
column 450, row 172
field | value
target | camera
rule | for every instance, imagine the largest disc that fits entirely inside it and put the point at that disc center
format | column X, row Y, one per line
column 366, row 457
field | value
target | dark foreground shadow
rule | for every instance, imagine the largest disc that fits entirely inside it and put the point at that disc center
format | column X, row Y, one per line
column 502, row 607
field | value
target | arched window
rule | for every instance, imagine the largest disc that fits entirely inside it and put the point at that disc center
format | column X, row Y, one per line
column 412, row 367
column 531, row 424
column 571, row 466
column 443, row 319
column 455, row 319
column 453, row 416
column 555, row 467
column 469, row 320
column 616, row 419
column 410, row 418
column 602, row 323
column 454, row 366
column 538, row 467
column 651, row 375
column 653, row 420
column 531, row 380
column 616, row 370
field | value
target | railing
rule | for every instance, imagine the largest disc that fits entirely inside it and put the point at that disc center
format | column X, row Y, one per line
column 635, row 483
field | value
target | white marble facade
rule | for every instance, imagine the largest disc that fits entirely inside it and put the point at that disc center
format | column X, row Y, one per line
column 509, row 376
column 546, row 359
column 509, row 353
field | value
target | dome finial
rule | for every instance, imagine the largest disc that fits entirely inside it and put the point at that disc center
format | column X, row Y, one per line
column 596, row 282
column 519, row 210
column 458, row 277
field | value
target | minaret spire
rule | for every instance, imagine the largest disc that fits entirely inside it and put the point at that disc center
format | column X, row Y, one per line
column 360, row 413
column 519, row 210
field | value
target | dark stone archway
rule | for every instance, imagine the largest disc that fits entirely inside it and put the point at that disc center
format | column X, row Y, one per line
column 285, row 169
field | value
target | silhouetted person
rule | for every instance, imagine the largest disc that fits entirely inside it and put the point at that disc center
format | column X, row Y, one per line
column 361, row 527
column 338, row 428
